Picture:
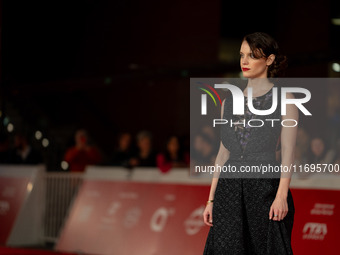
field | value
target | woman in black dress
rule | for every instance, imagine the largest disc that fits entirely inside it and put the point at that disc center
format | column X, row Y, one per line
column 253, row 214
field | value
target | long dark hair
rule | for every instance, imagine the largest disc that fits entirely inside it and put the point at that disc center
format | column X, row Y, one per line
column 263, row 45
column 311, row 157
column 180, row 154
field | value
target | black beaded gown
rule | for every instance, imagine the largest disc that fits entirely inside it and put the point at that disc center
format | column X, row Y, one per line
column 241, row 223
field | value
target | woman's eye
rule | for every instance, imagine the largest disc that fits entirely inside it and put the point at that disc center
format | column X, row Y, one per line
column 252, row 55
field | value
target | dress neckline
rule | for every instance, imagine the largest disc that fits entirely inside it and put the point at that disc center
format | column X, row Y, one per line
column 263, row 94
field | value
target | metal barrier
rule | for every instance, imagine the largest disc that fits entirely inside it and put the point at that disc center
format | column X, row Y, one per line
column 61, row 189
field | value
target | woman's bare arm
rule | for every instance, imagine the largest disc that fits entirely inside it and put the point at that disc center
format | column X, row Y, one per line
column 288, row 143
column 221, row 158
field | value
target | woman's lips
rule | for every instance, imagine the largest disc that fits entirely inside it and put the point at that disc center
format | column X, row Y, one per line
column 245, row 69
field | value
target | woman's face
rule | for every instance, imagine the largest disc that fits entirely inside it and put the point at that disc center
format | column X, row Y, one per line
column 125, row 141
column 144, row 144
column 251, row 66
column 173, row 145
column 317, row 146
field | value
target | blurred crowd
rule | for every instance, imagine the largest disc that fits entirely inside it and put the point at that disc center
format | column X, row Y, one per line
column 128, row 152
column 138, row 151
column 317, row 149
column 20, row 152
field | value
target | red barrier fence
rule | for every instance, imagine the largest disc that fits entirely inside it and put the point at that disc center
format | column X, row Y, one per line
column 111, row 217
column 136, row 218
column 124, row 217
column 13, row 192
column 317, row 221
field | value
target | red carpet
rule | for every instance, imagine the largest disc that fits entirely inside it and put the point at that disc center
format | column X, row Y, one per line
column 15, row 251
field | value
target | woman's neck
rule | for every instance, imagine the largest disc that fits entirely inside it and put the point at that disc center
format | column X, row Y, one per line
column 258, row 85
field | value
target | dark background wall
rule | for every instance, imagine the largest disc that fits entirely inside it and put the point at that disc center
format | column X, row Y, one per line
column 113, row 66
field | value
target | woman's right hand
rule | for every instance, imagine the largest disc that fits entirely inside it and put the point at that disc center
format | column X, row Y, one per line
column 207, row 215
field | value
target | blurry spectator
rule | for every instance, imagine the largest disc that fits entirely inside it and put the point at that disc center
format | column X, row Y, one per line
column 82, row 154
column 210, row 132
column 4, row 149
column 203, row 150
column 145, row 156
column 122, row 153
column 337, row 155
column 23, row 153
column 318, row 154
column 334, row 121
column 172, row 156
column 302, row 146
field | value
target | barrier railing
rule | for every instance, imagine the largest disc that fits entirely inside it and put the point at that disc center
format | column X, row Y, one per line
column 61, row 189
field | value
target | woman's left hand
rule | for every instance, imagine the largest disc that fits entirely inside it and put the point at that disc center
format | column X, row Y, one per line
column 280, row 208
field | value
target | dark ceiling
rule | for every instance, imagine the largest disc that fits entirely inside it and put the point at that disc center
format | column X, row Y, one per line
column 111, row 66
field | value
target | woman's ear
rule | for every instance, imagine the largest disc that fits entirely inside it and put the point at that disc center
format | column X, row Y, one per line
column 270, row 59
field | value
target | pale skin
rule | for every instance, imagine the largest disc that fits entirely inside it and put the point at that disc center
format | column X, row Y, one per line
column 258, row 68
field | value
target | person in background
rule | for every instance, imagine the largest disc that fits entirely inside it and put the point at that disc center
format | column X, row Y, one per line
column 337, row 154
column 122, row 153
column 23, row 152
column 145, row 156
column 302, row 146
column 211, row 134
column 82, row 154
column 172, row 156
column 318, row 154
column 202, row 151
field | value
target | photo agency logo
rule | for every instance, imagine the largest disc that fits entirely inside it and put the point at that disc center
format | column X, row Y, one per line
column 239, row 103
column 204, row 97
